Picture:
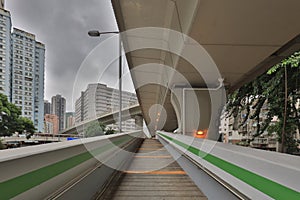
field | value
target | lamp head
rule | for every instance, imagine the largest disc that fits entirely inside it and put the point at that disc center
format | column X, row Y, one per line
column 94, row 33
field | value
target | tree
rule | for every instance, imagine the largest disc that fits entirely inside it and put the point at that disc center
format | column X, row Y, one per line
column 9, row 115
column 94, row 128
column 285, row 107
column 11, row 120
column 109, row 131
column 279, row 88
column 26, row 126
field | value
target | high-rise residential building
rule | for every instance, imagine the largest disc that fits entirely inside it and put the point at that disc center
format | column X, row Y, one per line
column 51, row 124
column 39, row 79
column 5, row 52
column 79, row 108
column 242, row 131
column 70, row 120
column 98, row 99
column 27, row 92
column 22, row 61
column 47, row 107
column 58, row 107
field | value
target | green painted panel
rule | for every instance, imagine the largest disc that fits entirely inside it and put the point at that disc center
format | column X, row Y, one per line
column 20, row 184
column 266, row 186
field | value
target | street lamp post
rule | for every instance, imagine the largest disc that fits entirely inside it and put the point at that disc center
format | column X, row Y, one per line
column 95, row 33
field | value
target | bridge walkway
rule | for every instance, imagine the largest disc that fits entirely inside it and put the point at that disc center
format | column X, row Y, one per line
column 154, row 174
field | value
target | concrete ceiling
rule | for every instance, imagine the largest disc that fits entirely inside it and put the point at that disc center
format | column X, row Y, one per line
column 243, row 38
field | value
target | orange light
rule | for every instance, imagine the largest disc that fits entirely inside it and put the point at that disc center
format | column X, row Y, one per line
column 200, row 133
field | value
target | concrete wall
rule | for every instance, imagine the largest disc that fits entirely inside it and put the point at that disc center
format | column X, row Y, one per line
column 253, row 173
column 41, row 171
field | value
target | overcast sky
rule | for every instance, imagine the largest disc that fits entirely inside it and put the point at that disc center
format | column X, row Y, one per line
column 62, row 25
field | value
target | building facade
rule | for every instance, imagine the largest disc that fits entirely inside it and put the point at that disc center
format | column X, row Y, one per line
column 70, row 120
column 51, row 124
column 224, row 127
column 242, row 132
column 27, row 92
column 39, row 79
column 5, row 52
column 22, row 61
column 47, row 107
column 98, row 99
column 58, row 108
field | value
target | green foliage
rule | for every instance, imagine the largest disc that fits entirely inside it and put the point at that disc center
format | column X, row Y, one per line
column 290, row 141
column 110, row 131
column 269, row 88
column 11, row 120
column 26, row 125
column 292, row 61
column 94, row 128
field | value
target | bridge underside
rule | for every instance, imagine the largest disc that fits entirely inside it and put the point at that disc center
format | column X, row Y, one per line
column 243, row 38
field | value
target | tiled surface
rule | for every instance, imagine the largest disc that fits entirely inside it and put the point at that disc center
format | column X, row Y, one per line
column 154, row 174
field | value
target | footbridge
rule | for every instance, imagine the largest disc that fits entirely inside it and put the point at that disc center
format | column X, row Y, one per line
column 181, row 53
column 130, row 166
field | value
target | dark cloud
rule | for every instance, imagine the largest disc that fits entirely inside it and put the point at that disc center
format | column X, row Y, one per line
column 63, row 25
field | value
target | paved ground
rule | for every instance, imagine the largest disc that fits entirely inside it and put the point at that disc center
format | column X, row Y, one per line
column 154, row 174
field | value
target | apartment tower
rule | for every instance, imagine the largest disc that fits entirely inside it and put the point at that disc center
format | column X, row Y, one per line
column 98, row 99
column 58, row 108
column 5, row 52
column 27, row 92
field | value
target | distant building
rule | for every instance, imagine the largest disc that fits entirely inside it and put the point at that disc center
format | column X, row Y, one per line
column 98, row 99
column 224, row 126
column 22, row 61
column 39, row 84
column 51, row 124
column 5, row 53
column 242, row 132
column 58, row 108
column 28, row 59
column 234, row 133
column 70, row 120
column 47, row 107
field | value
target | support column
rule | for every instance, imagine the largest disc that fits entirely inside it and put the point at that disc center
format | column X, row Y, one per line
column 138, row 122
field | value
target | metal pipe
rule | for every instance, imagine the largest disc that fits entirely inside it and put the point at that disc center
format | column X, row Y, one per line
column 120, row 84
